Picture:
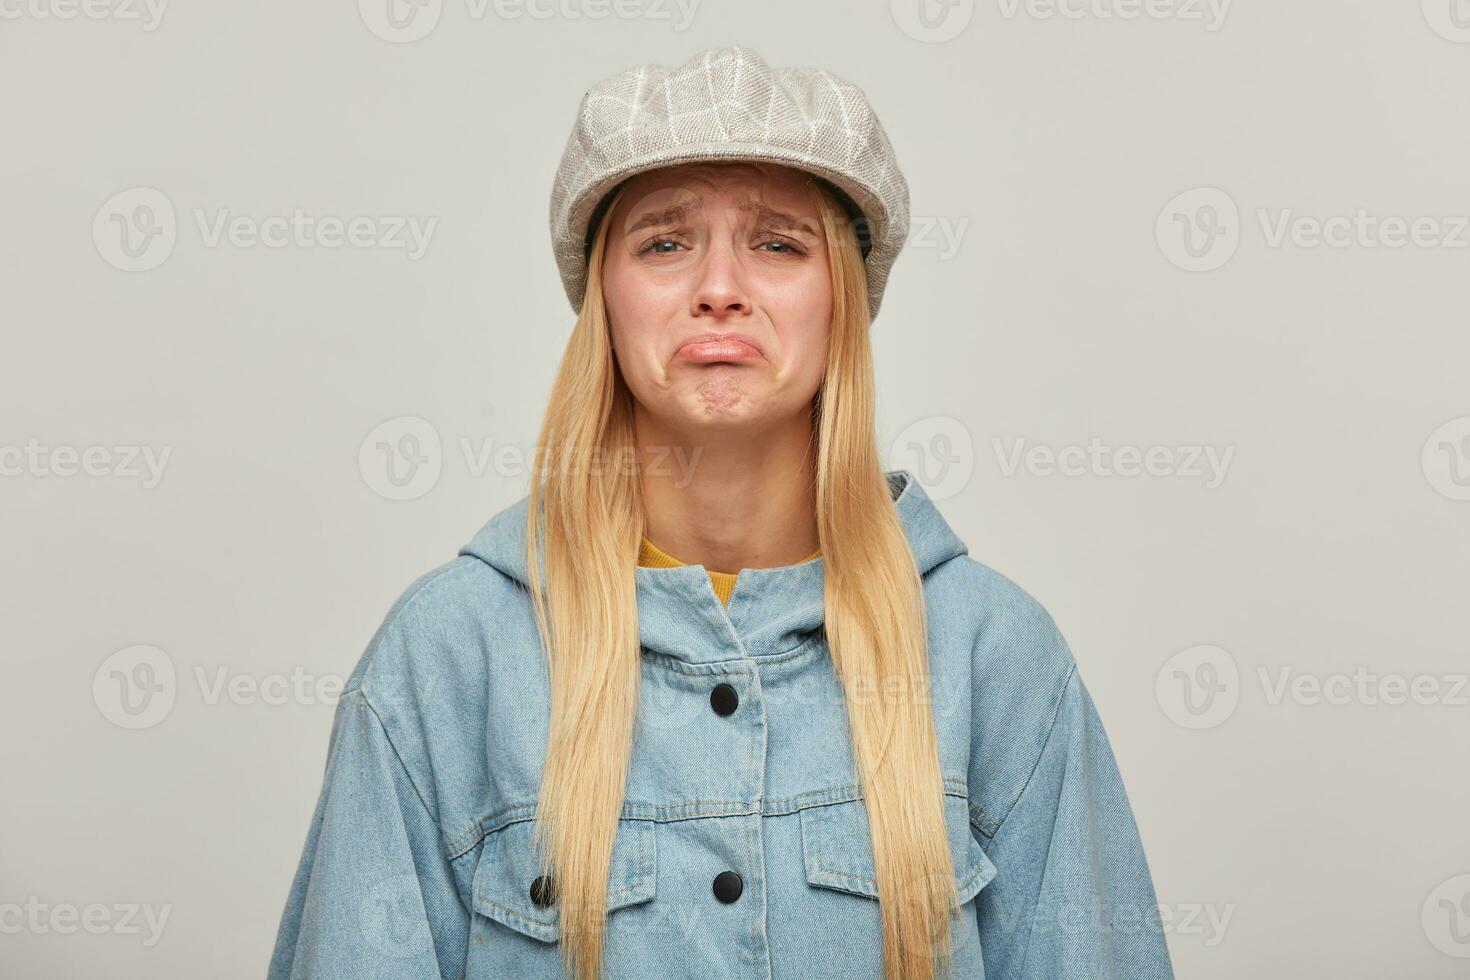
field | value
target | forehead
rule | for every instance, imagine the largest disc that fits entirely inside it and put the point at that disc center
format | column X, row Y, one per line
column 736, row 182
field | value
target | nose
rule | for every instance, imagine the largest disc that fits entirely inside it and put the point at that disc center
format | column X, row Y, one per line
column 721, row 288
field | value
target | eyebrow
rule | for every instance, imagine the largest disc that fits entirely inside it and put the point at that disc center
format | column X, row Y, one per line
column 763, row 213
column 778, row 219
column 665, row 216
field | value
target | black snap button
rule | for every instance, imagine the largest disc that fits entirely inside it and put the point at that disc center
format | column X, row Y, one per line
column 728, row 886
column 724, row 699
column 543, row 891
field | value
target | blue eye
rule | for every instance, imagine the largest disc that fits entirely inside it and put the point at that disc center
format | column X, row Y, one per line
column 653, row 246
column 787, row 246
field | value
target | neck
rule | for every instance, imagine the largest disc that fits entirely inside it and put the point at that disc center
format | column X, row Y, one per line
column 728, row 502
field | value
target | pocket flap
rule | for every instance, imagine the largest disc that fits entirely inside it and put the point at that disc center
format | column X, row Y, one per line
column 509, row 864
column 837, row 849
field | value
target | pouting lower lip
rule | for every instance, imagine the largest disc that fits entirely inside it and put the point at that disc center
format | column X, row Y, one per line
column 718, row 350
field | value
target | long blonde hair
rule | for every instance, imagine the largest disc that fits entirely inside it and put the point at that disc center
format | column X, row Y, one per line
column 591, row 525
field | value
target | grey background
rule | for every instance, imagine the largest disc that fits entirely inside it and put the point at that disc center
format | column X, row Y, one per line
column 1288, row 836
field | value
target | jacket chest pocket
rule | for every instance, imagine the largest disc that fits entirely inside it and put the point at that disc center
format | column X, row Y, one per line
column 507, row 889
column 837, row 849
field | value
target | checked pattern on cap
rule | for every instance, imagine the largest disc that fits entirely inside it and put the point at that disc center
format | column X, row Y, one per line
column 727, row 103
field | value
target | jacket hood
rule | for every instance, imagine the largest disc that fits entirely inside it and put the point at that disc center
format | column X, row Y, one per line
column 770, row 611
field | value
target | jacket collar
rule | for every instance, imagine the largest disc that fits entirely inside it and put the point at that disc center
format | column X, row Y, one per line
column 771, row 611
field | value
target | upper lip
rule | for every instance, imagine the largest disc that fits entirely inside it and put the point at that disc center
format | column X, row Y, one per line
column 743, row 338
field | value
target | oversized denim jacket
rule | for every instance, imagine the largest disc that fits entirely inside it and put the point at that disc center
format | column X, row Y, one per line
column 418, row 861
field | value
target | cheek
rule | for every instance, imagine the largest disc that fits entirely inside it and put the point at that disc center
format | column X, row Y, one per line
column 801, row 309
column 813, row 358
column 804, row 328
column 627, row 311
column 617, row 288
column 816, row 316
column 635, row 342
column 802, row 293
column 638, row 300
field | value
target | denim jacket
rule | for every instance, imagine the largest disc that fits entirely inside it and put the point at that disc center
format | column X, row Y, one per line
column 418, row 860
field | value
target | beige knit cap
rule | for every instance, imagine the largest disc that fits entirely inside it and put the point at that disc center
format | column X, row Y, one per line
column 728, row 104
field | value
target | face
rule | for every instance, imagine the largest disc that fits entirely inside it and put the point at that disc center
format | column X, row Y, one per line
column 719, row 295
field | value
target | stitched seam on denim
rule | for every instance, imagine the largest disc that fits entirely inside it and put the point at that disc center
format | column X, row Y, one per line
column 402, row 606
column 1050, row 729
column 689, row 811
column 400, row 610
column 418, row 792
column 705, row 668
column 1071, row 673
column 640, row 873
column 813, row 835
column 811, row 829
column 467, row 841
column 844, row 874
column 979, row 872
column 792, row 653
column 524, row 923
column 644, row 865
column 665, row 813
column 685, row 810
column 708, row 667
column 643, row 874
column 980, row 819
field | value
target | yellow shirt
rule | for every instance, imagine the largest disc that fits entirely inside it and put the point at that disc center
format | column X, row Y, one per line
column 650, row 556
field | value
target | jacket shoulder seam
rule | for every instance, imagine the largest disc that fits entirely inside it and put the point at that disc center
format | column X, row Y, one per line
column 402, row 765
column 400, row 610
column 1050, row 730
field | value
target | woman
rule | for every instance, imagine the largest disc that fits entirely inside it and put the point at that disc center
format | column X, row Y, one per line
column 822, row 741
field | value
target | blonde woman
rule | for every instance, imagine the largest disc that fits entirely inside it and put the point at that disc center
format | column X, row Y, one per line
column 737, row 702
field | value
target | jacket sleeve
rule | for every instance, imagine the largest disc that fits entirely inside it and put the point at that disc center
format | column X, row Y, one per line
column 374, row 894
column 1073, row 897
